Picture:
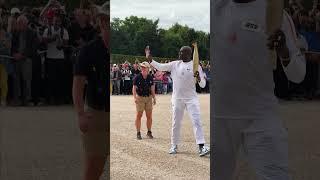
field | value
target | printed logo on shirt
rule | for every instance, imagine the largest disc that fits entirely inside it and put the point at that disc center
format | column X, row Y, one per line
column 250, row 26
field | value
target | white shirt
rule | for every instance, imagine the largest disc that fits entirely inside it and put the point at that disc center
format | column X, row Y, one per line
column 243, row 86
column 182, row 78
column 127, row 74
column 53, row 52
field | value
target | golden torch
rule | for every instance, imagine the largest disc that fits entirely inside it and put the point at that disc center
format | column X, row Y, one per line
column 195, row 58
column 274, row 21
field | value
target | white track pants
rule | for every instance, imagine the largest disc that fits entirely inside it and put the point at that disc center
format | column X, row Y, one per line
column 264, row 143
column 193, row 108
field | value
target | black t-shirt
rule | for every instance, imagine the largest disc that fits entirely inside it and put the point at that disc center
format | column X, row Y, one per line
column 93, row 62
column 143, row 85
column 86, row 33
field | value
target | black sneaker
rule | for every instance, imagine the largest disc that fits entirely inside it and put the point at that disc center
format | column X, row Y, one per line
column 139, row 136
column 149, row 135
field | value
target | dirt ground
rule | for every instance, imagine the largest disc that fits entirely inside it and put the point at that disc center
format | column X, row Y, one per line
column 149, row 159
column 43, row 143
column 40, row 143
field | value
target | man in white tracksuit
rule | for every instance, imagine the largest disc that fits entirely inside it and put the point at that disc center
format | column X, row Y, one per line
column 244, row 108
column 184, row 96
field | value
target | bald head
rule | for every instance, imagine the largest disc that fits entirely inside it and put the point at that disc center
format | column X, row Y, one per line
column 185, row 53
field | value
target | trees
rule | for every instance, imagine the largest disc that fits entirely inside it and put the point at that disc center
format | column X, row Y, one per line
column 131, row 35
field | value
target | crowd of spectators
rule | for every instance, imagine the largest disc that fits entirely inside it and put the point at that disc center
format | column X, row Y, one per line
column 37, row 50
column 122, row 75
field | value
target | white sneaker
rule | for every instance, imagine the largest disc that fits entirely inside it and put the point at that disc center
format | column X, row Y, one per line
column 204, row 151
column 173, row 149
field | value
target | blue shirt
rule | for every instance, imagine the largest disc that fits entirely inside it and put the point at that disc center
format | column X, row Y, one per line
column 313, row 39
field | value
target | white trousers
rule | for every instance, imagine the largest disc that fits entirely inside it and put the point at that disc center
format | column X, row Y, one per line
column 193, row 108
column 264, row 142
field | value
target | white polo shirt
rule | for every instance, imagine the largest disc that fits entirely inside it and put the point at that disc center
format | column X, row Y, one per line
column 243, row 85
column 53, row 52
column 182, row 77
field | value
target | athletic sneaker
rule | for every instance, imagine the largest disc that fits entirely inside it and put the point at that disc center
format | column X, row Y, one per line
column 149, row 135
column 204, row 151
column 139, row 136
column 173, row 149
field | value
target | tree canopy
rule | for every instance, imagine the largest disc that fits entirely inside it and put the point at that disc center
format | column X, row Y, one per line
column 131, row 35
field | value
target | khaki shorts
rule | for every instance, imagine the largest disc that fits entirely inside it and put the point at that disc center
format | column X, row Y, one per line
column 144, row 103
column 96, row 141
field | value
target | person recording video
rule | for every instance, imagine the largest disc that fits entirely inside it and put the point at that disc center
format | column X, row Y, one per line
column 56, row 38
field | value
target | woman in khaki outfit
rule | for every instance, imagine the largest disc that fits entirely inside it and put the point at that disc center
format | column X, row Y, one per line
column 143, row 92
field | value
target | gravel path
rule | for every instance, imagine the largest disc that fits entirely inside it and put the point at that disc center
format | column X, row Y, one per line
column 43, row 143
column 149, row 159
column 40, row 143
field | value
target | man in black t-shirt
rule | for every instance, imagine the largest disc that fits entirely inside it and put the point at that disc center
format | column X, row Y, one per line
column 93, row 113
column 143, row 91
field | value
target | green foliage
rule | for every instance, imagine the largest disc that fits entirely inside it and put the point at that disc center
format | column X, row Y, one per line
column 131, row 35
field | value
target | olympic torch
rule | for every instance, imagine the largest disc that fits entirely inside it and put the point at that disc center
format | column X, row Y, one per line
column 274, row 21
column 195, row 58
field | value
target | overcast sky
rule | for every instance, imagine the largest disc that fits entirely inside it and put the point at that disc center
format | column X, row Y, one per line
column 193, row 13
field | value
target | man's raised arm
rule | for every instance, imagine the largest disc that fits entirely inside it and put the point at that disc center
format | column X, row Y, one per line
column 160, row 67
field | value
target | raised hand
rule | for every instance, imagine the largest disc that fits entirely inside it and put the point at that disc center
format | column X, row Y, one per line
column 148, row 54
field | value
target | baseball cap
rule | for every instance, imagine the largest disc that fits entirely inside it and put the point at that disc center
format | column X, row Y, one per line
column 145, row 64
column 15, row 10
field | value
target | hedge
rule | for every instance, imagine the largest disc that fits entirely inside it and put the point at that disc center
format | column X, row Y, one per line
column 119, row 58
